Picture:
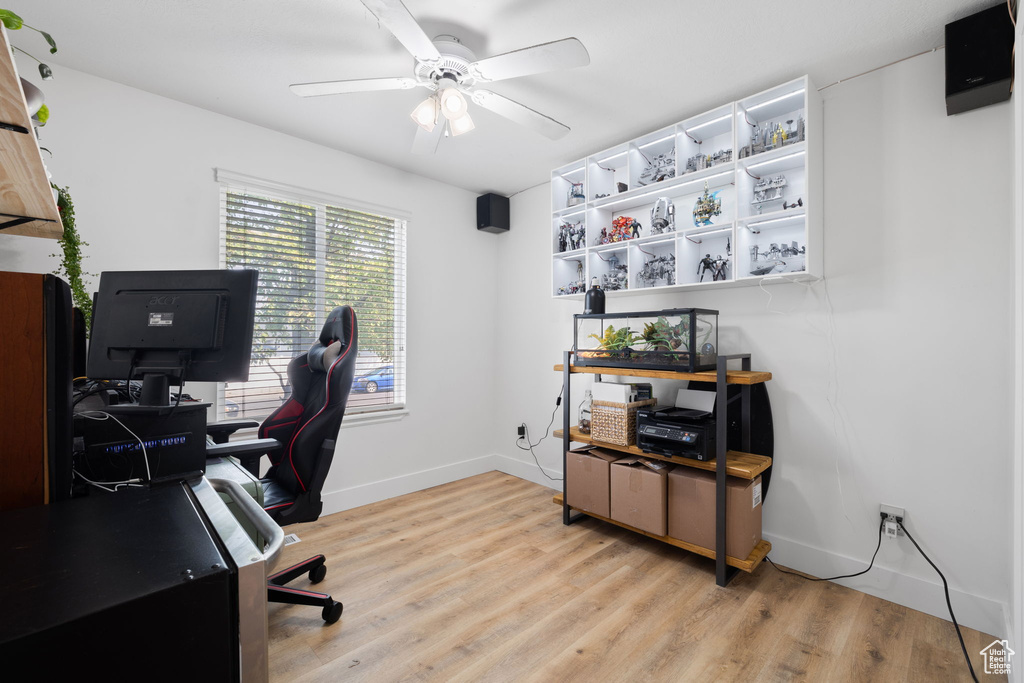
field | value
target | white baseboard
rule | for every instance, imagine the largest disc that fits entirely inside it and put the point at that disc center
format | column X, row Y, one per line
column 527, row 470
column 977, row 612
column 346, row 499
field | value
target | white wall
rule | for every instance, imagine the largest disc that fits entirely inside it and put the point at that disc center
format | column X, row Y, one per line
column 1015, row 613
column 892, row 377
column 140, row 171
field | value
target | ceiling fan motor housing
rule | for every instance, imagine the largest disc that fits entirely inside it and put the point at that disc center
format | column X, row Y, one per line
column 454, row 63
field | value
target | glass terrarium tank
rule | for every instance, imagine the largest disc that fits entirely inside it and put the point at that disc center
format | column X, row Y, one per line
column 679, row 339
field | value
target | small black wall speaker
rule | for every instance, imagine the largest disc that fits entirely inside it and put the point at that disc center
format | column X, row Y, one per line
column 979, row 56
column 492, row 213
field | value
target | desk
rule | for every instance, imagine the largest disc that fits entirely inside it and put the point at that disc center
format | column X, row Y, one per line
column 144, row 584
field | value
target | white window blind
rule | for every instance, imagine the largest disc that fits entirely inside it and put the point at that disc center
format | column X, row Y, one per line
column 315, row 253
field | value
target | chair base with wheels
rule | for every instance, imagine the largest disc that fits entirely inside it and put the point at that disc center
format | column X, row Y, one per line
column 277, row 591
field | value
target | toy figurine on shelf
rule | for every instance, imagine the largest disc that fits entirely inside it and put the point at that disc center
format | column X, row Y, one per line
column 570, row 236
column 571, row 288
column 576, row 195
column 769, row 190
column 771, row 135
column 624, row 228
column 663, row 216
column 661, row 167
column 658, row 268
column 707, row 206
column 719, row 268
column 771, row 267
column 615, row 280
column 603, row 237
column 577, row 234
column 702, row 161
column 706, row 264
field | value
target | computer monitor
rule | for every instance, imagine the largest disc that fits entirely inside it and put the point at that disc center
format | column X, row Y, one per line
column 168, row 327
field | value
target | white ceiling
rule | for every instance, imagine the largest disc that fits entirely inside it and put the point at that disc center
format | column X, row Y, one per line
column 653, row 62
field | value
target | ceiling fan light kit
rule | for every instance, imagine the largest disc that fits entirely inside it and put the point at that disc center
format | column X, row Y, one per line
column 462, row 124
column 425, row 113
column 451, row 70
column 453, row 104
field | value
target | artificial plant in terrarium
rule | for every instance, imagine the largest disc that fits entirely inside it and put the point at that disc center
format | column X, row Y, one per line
column 674, row 339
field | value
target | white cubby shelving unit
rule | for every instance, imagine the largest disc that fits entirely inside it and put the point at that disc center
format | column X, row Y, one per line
column 755, row 166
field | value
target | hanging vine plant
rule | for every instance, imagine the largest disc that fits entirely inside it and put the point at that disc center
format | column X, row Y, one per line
column 71, row 258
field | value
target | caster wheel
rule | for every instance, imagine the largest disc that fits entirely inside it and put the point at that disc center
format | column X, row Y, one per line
column 332, row 612
column 317, row 575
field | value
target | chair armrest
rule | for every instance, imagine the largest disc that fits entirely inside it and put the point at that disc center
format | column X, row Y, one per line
column 248, row 452
column 220, row 431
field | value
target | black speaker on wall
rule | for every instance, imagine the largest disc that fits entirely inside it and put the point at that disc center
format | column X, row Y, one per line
column 979, row 57
column 492, row 213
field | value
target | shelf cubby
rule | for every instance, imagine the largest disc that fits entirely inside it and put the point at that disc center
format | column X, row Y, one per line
column 728, row 155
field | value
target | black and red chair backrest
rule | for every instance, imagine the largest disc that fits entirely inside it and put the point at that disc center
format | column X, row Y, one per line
column 320, row 380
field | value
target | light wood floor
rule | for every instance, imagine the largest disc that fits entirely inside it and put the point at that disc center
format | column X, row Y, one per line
column 479, row 580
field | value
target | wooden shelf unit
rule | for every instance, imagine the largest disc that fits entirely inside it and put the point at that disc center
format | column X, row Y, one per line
column 731, row 376
column 737, row 463
column 27, row 206
column 747, row 564
column 727, row 463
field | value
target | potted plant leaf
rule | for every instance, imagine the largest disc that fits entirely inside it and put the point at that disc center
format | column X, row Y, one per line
column 33, row 96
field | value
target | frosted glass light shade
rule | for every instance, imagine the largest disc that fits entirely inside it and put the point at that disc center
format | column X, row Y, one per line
column 462, row 124
column 425, row 114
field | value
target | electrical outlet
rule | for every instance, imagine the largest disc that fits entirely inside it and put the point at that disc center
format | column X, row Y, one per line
column 521, row 430
column 890, row 516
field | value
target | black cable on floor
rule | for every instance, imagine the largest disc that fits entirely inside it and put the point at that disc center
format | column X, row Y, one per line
column 844, row 576
column 949, row 605
column 529, row 446
column 945, row 586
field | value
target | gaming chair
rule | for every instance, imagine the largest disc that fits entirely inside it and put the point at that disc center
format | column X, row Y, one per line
column 299, row 439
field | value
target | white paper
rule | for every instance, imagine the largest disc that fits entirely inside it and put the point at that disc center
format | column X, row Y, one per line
column 696, row 400
column 610, row 392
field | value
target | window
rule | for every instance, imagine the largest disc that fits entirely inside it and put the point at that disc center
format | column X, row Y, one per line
column 314, row 253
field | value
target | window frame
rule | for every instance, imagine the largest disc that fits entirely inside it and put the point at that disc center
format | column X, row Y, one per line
column 230, row 181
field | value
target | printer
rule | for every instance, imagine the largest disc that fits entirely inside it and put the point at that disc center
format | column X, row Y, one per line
column 686, row 430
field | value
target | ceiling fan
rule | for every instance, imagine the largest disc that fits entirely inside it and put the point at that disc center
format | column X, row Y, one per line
column 451, row 71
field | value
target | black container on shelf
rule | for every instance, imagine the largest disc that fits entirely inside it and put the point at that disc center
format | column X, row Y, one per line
column 594, row 301
column 677, row 339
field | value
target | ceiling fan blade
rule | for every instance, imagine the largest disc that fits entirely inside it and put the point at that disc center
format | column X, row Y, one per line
column 426, row 143
column 560, row 54
column 357, row 85
column 521, row 114
column 397, row 19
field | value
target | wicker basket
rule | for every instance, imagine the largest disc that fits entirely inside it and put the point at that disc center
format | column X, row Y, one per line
column 615, row 423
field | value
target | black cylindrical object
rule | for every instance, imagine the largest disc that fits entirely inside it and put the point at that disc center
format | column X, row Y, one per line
column 594, row 301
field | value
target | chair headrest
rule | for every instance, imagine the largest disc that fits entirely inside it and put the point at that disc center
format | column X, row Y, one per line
column 334, row 339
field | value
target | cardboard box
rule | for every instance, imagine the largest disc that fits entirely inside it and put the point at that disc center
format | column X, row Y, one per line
column 638, row 493
column 586, row 479
column 691, row 510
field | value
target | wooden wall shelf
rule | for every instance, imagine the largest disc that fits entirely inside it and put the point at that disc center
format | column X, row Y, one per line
column 27, row 206
column 737, row 464
column 731, row 376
